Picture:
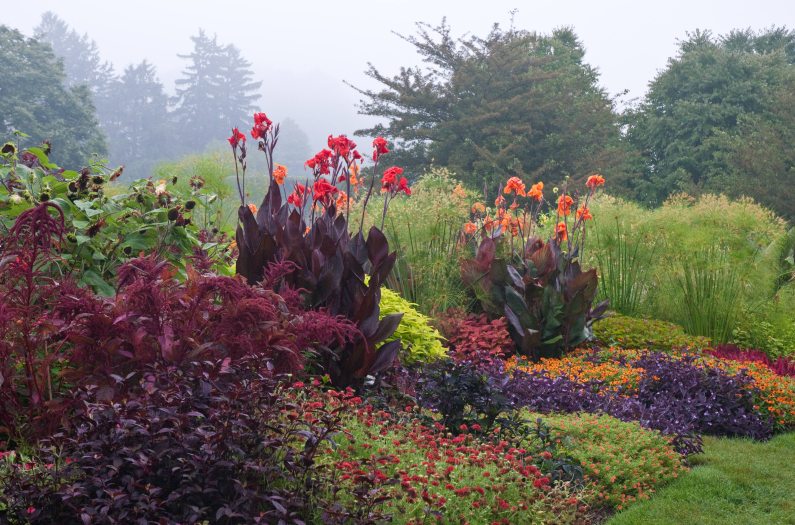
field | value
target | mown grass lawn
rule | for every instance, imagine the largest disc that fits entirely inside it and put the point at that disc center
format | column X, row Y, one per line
column 735, row 481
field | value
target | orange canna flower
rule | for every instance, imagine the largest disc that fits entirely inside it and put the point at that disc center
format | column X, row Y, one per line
column 515, row 185
column 459, row 192
column 353, row 174
column 536, row 191
column 470, row 228
column 564, row 205
column 253, row 208
column 478, row 207
column 584, row 213
column 342, row 201
column 499, row 201
column 279, row 174
column 594, row 181
column 561, row 231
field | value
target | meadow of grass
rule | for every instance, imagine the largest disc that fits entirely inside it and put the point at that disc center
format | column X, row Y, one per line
column 735, row 481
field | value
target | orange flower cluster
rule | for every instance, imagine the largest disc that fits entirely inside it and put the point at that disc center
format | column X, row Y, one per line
column 611, row 373
column 595, row 181
column 776, row 395
column 279, row 174
column 515, row 185
column 564, row 205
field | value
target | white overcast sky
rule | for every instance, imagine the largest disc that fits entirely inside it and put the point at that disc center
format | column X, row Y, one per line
column 302, row 50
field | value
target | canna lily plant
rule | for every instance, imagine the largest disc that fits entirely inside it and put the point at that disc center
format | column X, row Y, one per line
column 300, row 244
column 539, row 287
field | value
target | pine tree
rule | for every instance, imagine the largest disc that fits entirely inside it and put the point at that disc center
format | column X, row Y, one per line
column 216, row 91
column 140, row 131
column 83, row 64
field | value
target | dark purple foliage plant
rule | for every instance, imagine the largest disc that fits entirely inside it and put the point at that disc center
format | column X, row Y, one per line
column 204, row 443
column 310, row 229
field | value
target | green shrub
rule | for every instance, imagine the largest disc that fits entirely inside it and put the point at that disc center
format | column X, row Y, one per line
column 768, row 326
column 421, row 341
column 622, row 460
column 631, row 332
column 107, row 224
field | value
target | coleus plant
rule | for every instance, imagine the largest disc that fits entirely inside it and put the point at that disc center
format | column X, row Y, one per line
column 305, row 238
column 538, row 286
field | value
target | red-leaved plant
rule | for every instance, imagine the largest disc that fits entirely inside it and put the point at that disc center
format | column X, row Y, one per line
column 29, row 352
column 333, row 270
column 782, row 366
column 474, row 339
column 54, row 335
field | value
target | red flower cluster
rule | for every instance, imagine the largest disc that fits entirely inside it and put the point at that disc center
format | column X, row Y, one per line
column 296, row 198
column 323, row 191
column 344, row 147
column 379, row 143
column 262, row 124
column 320, row 164
column 236, row 138
column 391, row 183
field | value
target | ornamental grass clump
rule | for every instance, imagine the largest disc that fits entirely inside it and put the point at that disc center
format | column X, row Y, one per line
column 538, row 286
column 331, row 269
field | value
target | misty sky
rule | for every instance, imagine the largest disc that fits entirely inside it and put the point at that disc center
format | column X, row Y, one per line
column 302, row 51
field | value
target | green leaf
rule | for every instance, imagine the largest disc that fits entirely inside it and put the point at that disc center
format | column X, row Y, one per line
column 92, row 279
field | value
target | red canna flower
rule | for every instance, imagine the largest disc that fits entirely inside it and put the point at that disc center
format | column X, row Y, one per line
column 389, row 180
column 379, row 143
column 320, row 164
column 341, row 145
column 236, row 138
column 262, row 124
column 323, row 189
column 296, row 198
column 403, row 186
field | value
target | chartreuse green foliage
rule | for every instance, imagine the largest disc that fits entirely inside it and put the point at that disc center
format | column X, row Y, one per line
column 623, row 461
column 632, row 332
column 736, row 481
column 421, row 342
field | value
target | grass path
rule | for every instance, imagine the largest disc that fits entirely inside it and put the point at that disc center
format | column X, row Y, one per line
column 736, row 481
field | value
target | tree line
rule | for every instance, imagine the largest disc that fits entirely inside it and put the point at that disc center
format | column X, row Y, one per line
column 56, row 86
column 719, row 118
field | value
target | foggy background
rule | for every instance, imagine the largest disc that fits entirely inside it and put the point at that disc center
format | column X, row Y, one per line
column 303, row 51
